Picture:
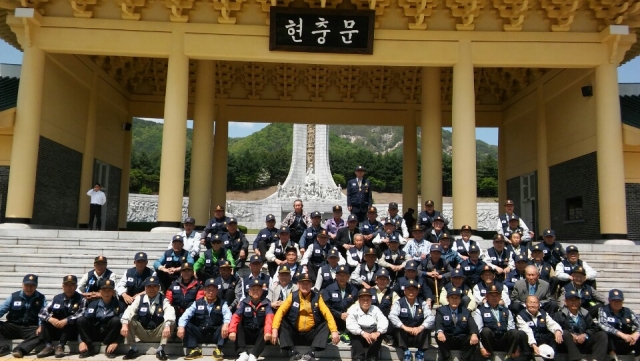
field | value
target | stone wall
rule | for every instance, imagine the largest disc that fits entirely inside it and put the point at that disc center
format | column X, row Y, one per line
column 4, row 185
column 633, row 211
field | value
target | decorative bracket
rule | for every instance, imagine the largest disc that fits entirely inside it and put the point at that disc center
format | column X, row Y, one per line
column 562, row 11
column 377, row 5
column 467, row 11
column 128, row 8
column 82, row 8
column 226, row 9
column 513, row 11
column 178, row 10
column 418, row 11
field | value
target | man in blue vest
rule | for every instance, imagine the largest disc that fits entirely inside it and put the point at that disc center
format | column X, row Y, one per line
column 371, row 226
column 455, row 327
column 255, row 265
column 216, row 226
column 413, row 322
column 22, row 308
column 251, row 324
column 572, row 261
column 89, row 283
column 230, row 286
column 185, row 290
column 266, row 237
column 205, row 321
column 169, row 264
column 621, row 325
column 359, row 194
column 150, row 318
column 591, row 298
column 58, row 319
column 537, row 327
column 426, row 217
column 339, row 296
column 132, row 282
column 496, row 325
column 235, row 241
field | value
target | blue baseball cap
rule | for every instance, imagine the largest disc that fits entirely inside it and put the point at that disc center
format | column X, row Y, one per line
column 616, row 294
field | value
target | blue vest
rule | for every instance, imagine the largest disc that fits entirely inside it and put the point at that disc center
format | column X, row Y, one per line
column 25, row 313
column 253, row 317
column 472, row 271
column 61, row 310
column 92, row 282
column 622, row 321
column 459, row 328
column 150, row 320
column 181, row 301
column 317, row 258
column 497, row 326
column 371, row 228
column 459, row 246
column 233, row 243
column 385, row 303
column 332, row 297
column 211, row 265
column 97, row 316
column 504, row 223
column 586, row 294
column 278, row 251
column 135, row 282
column 553, row 253
column 364, row 274
column 483, row 287
column 205, row 320
column 539, row 325
column 171, row 261
column 325, row 273
column 402, row 256
column 568, row 267
column 294, row 311
column 246, row 281
column 500, row 261
column 405, row 315
column 353, row 253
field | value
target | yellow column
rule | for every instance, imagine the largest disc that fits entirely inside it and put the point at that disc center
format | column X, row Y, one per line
column 124, row 179
column 221, row 153
column 544, row 203
column 410, row 165
column 464, row 140
column 502, row 166
column 611, row 185
column 202, row 146
column 26, row 138
column 86, row 177
column 174, row 136
column 431, row 124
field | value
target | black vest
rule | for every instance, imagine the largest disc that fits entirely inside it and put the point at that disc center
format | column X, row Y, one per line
column 279, row 250
column 622, row 321
column 385, row 303
column 552, row 253
column 181, row 301
column 96, row 316
column 233, row 242
column 459, row 246
column 539, row 325
column 150, row 320
column 135, row 282
column 253, row 317
column 333, row 297
column 483, row 287
column 586, row 294
column 401, row 257
column 61, row 309
column 497, row 326
column 211, row 266
column 319, row 254
column 92, row 282
column 20, row 314
column 472, row 271
column 294, row 311
column 205, row 320
column 353, row 253
column 504, row 222
column 458, row 328
column 171, row 261
column 364, row 274
column 297, row 227
column 501, row 261
column 371, row 228
column 405, row 315
column 568, row 267
column 264, row 280
column 327, row 278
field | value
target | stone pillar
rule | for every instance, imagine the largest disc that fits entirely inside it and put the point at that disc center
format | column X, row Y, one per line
column 26, row 138
column 544, row 203
column 202, row 146
column 464, row 140
column 502, row 166
column 220, row 151
column 410, row 165
column 174, row 137
column 611, row 184
column 86, row 177
column 431, row 124
column 124, row 179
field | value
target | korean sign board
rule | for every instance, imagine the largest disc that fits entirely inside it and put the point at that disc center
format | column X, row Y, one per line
column 321, row 30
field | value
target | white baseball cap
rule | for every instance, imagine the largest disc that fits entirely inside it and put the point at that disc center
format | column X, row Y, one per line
column 546, row 352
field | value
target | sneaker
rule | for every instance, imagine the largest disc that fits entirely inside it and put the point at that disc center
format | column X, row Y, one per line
column 59, row 351
column 194, row 354
column 345, row 338
column 407, row 356
column 4, row 350
column 17, row 354
column 161, row 355
column 419, row 355
column 87, row 353
column 130, row 355
column 307, row 357
column 217, row 354
column 46, row 352
column 252, row 358
column 243, row 357
column 295, row 355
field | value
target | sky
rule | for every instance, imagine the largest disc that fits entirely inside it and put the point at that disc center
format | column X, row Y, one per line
column 628, row 73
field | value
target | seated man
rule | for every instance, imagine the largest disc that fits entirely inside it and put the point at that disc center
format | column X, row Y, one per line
column 327, row 273
column 236, row 242
column 168, row 265
column 514, row 227
column 205, row 321
column 417, row 248
column 499, row 258
column 304, row 319
column 436, row 231
column 365, row 274
column 517, row 273
column 192, row 238
column 567, row 265
column 394, row 259
column 216, row 226
column 383, row 297
column 132, row 282
column 338, row 297
column 436, row 269
column 366, row 324
column 487, row 280
column 277, row 253
column 230, row 285
column 472, row 267
column 545, row 270
column 411, row 273
column 426, row 217
column 536, row 328
column 401, row 225
column 449, row 254
column 184, row 291
column 316, row 254
column 251, row 324
column 89, row 283
column 532, row 286
column 58, row 319
column 255, row 266
column 291, row 262
column 413, row 322
column 496, row 325
column 515, row 246
column 467, row 300
column 455, row 327
column 22, row 308
column 382, row 239
column 278, row 292
column 621, row 325
column 355, row 254
column 553, row 251
column 464, row 243
column 345, row 235
column 266, row 237
column 371, row 226
column 592, row 300
column 580, row 334
column 150, row 318
column 335, row 223
column 207, row 265
column 101, row 322
column 310, row 235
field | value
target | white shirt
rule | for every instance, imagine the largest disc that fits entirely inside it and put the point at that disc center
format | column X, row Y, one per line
column 97, row 197
column 524, row 326
column 191, row 243
column 357, row 319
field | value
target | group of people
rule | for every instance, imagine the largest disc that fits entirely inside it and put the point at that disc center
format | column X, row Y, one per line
column 361, row 281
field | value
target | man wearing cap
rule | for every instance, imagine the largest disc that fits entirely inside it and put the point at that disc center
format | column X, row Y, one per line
column 413, row 321
column 516, row 274
column 503, row 220
column 382, row 239
column 276, row 255
column 621, row 325
column 311, row 233
column 359, row 194
column 449, row 254
column 101, row 322
column 397, row 219
column 216, row 225
column 496, row 325
column 499, row 258
column 334, row 224
column 455, row 327
column 462, row 244
column 515, row 246
column 150, row 318
column 365, row 273
column 411, row 274
column 236, row 242
column 367, row 325
column 304, row 319
column 467, row 301
column 580, row 334
column 205, row 321
column 514, row 227
column 435, row 268
column 168, row 265
column 266, row 237
column 553, row 251
column 317, row 252
column 545, row 270
column 132, row 282
column 327, row 273
column 436, row 231
column 230, row 285
column 568, row 264
column 22, row 308
column 472, row 267
column 487, row 279
column 393, row 259
column 207, row 266
column 537, row 327
column 592, row 300
column 58, row 319
column 278, row 292
column 251, row 324
column 344, row 238
column 383, row 297
column 191, row 238
column 255, row 265
column 426, row 217
column 291, row 262
column 355, row 254
column 532, row 285
column 371, row 226
column 185, row 290
column 339, row 296
column 88, row 285
column 297, row 221
column 417, row 248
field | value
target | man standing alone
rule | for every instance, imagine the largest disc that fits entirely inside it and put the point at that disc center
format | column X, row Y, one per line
column 359, row 195
column 98, row 199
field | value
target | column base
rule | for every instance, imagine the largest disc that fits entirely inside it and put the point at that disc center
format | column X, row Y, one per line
column 166, row 227
column 17, row 220
column 15, row 226
column 613, row 236
column 615, row 240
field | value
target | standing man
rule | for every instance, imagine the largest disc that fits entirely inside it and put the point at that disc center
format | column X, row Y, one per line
column 503, row 221
column 297, row 221
column 426, row 217
column 98, row 199
column 359, row 194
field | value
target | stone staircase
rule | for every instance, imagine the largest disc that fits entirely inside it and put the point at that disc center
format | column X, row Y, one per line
column 53, row 254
